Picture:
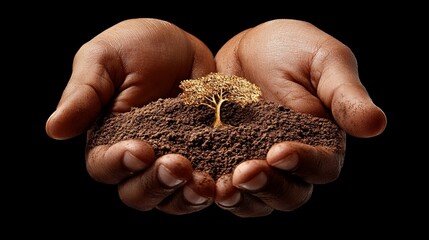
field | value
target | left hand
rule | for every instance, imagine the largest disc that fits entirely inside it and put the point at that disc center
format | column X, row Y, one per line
column 297, row 65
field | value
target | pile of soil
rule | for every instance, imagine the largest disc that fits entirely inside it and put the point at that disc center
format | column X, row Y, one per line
column 171, row 126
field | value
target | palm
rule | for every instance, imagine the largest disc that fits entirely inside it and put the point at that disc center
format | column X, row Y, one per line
column 286, row 59
column 143, row 65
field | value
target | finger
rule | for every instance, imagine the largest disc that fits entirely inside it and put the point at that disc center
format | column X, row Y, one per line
column 239, row 203
column 317, row 165
column 196, row 195
column 355, row 112
column 79, row 107
column 148, row 189
column 90, row 87
column 263, row 189
column 112, row 164
column 339, row 87
column 275, row 188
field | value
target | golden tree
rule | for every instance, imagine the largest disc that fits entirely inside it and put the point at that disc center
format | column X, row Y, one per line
column 215, row 88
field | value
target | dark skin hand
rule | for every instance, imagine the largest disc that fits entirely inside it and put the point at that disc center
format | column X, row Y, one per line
column 140, row 60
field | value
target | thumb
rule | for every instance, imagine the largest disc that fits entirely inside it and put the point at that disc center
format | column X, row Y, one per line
column 340, row 89
column 356, row 113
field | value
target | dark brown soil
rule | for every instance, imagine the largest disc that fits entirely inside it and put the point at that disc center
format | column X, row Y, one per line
column 173, row 127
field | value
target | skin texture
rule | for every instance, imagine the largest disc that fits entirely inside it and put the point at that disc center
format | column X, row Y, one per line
column 140, row 60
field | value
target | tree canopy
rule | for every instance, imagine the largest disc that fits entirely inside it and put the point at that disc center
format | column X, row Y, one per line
column 215, row 88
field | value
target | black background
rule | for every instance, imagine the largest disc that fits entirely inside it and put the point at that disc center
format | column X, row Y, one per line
column 48, row 186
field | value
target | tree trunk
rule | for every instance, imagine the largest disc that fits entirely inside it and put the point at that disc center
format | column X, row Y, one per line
column 218, row 122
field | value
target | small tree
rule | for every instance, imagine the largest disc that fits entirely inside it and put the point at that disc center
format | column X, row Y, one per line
column 215, row 88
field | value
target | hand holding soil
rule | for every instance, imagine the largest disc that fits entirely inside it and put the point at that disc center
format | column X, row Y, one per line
column 169, row 153
column 216, row 137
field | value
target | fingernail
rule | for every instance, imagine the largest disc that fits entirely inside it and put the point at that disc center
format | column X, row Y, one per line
column 132, row 162
column 288, row 163
column 193, row 197
column 167, row 178
column 255, row 183
column 231, row 201
column 50, row 133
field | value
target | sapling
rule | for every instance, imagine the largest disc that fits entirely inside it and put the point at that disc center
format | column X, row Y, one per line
column 215, row 88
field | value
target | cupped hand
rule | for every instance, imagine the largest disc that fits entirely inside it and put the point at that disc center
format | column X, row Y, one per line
column 128, row 65
column 140, row 60
column 302, row 67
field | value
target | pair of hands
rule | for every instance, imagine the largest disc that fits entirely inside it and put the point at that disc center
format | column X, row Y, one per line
column 141, row 60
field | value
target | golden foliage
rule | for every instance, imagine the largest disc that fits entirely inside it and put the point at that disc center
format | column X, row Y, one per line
column 215, row 88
